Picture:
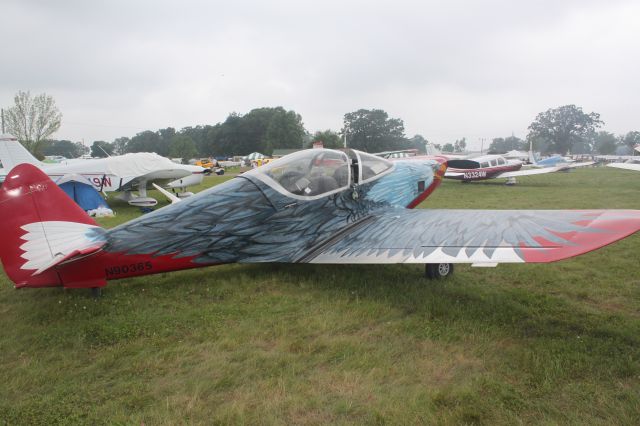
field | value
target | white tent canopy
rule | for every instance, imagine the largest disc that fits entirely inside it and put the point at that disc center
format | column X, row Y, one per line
column 254, row 156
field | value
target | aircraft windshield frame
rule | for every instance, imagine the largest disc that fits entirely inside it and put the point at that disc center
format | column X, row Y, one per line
column 308, row 174
column 372, row 167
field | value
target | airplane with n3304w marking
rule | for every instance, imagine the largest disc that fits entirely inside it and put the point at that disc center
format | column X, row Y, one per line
column 313, row 206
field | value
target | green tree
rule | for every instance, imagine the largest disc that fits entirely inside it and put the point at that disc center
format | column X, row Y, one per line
column 605, row 143
column 163, row 145
column 447, row 147
column 631, row 139
column 460, row 145
column 329, row 139
column 418, row 142
column 502, row 145
column 101, row 149
column 564, row 126
column 146, row 141
column 261, row 130
column 373, row 131
column 65, row 148
column 120, row 145
column 232, row 137
column 284, row 131
column 182, row 147
column 204, row 138
column 584, row 145
column 32, row 119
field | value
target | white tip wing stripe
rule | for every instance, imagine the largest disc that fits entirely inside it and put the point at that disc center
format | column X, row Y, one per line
column 500, row 255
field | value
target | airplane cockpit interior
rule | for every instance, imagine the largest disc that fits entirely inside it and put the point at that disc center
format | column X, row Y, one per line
column 318, row 172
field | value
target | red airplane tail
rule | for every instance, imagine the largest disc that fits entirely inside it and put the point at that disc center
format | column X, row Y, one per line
column 41, row 227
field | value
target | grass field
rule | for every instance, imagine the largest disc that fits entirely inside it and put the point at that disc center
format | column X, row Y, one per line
column 304, row 344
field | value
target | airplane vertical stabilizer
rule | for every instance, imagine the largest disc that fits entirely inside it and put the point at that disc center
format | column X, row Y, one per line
column 12, row 153
column 532, row 157
column 41, row 227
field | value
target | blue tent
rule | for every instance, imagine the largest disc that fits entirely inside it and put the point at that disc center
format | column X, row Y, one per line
column 82, row 192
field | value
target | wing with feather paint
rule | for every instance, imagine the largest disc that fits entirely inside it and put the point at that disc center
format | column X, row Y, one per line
column 477, row 236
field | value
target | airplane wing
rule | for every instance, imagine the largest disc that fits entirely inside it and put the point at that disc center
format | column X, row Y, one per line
column 528, row 172
column 517, row 173
column 626, row 166
column 480, row 237
column 582, row 164
column 564, row 166
column 159, row 177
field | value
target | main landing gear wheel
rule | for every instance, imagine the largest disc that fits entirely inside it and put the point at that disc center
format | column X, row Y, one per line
column 96, row 291
column 438, row 270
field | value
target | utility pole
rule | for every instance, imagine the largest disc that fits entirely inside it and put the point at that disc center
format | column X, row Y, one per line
column 2, row 115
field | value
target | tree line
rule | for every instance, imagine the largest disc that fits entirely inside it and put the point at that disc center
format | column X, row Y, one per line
column 260, row 130
column 558, row 130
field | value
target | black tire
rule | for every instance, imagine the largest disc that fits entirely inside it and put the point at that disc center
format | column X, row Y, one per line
column 96, row 292
column 435, row 271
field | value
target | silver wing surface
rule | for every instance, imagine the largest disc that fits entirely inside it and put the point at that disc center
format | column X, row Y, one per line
column 528, row 172
column 161, row 177
column 475, row 236
column 626, row 166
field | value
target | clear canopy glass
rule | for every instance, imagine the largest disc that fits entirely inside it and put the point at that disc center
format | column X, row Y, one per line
column 309, row 173
column 319, row 172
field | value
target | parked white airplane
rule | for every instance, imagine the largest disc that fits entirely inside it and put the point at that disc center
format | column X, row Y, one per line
column 125, row 173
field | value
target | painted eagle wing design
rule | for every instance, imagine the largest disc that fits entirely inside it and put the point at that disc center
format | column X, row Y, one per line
column 477, row 236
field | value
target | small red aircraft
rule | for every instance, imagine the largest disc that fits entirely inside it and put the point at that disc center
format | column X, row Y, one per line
column 313, row 206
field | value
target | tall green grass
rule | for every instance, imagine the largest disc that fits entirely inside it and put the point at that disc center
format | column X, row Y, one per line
column 308, row 344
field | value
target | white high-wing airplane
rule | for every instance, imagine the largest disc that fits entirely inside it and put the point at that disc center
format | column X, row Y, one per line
column 125, row 173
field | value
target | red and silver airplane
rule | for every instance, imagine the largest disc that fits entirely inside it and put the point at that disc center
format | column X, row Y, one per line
column 313, row 206
column 477, row 168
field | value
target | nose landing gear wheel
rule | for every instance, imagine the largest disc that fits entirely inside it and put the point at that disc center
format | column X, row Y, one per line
column 438, row 270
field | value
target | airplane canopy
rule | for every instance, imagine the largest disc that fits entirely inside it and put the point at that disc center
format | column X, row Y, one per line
column 314, row 173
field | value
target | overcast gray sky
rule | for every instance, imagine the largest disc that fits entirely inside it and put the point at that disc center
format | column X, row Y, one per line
column 478, row 69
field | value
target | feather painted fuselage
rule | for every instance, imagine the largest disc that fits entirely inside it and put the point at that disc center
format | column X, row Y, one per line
column 246, row 220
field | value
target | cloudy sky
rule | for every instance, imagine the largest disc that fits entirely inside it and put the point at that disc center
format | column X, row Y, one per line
column 449, row 69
